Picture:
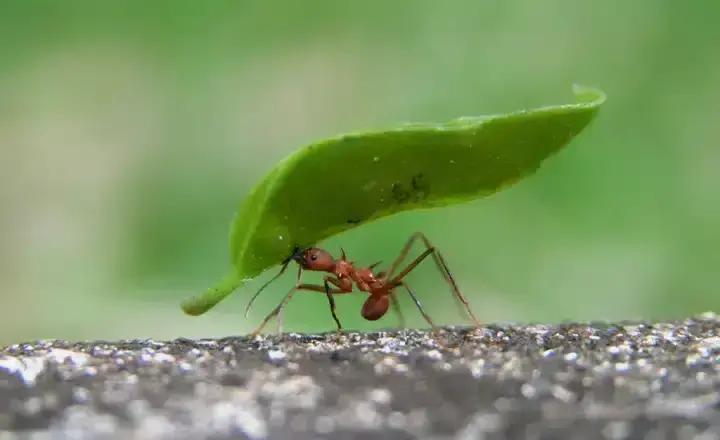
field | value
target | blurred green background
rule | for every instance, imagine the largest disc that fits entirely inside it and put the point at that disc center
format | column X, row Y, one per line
column 130, row 131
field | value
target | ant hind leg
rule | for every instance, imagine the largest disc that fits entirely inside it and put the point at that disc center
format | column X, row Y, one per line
column 439, row 263
column 419, row 306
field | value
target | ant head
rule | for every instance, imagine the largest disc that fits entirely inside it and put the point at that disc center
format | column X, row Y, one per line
column 315, row 259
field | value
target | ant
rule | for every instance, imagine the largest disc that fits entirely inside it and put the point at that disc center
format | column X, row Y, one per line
column 343, row 274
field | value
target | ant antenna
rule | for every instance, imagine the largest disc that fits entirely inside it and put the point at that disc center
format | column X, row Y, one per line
column 374, row 265
column 285, row 265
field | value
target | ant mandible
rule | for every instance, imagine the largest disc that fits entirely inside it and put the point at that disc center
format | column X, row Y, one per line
column 343, row 274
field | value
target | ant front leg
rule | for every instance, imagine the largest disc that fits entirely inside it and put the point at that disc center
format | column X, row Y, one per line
column 276, row 311
column 310, row 287
column 439, row 262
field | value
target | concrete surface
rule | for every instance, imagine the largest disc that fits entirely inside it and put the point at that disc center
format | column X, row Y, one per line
column 581, row 381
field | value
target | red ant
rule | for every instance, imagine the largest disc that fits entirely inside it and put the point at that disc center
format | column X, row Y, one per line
column 343, row 274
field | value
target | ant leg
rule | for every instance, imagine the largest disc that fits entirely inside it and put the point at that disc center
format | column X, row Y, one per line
column 396, row 308
column 445, row 270
column 441, row 265
column 410, row 267
column 342, row 286
column 419, row 306
column 252, row 300
column 276, row 311
column 331, row 300
column 401, row 257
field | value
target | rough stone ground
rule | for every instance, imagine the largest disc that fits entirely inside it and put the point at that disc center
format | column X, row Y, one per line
column 583, row 381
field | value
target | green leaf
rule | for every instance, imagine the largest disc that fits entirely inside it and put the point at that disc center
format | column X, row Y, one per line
column 333, row 185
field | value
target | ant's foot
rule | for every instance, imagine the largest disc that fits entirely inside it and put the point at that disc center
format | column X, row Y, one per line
column 338, row 335
column 438, row 333
column 255, row 333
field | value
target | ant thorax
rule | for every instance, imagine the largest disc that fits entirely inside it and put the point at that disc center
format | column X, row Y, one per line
column 343, row 269
column 365, row 275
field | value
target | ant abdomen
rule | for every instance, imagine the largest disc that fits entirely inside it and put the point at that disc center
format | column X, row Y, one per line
column 375, row 307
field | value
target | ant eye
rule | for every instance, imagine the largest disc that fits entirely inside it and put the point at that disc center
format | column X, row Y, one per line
column 313, row 257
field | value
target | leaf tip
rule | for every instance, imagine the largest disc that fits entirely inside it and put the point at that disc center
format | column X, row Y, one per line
column 589, row 95
column 200, row 304
column 193, row 306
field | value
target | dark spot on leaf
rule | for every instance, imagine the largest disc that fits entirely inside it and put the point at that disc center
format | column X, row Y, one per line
column 420, row 187
column 416, row 190
column 399, row 193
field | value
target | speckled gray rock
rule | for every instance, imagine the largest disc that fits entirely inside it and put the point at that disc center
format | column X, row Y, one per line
column 584, row 381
